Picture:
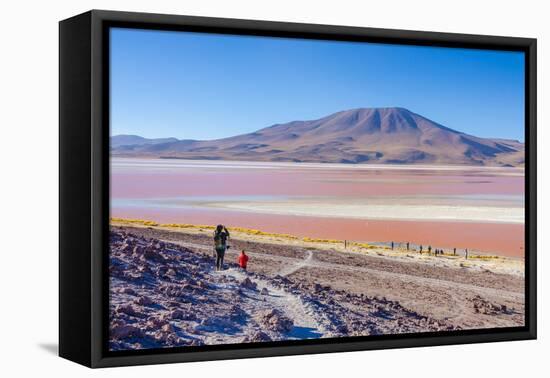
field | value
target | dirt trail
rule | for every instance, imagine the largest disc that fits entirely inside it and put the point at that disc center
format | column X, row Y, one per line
column 299, row 265
column 465, row 297
column 167, row 293
column 319, row 292
column 295, row 264
column 305, row 322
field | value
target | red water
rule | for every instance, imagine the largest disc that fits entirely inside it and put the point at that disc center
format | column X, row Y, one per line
column 312, row 183
column 501, row 238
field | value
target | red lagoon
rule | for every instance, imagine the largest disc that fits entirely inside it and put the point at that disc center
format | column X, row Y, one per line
column 157, row 180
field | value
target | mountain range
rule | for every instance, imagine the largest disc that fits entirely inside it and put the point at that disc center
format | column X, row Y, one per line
column 364, row 135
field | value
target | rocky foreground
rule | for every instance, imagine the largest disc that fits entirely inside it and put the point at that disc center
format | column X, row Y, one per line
column 167, row 295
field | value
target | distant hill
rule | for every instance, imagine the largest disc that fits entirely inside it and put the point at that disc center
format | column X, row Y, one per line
column 365, row 135
column 135, row 140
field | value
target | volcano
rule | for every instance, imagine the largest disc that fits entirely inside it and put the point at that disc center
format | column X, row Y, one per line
column 356, row 136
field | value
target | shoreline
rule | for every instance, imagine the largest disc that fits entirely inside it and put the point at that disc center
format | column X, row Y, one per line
column 378, row 211
column 500, row 239
column 305, row 164
column 476, row 261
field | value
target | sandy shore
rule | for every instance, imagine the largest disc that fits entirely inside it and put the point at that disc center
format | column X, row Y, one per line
column 424, row 208
column 492, row 238
column 133, row 162
column 476, row 261
column 478, row 292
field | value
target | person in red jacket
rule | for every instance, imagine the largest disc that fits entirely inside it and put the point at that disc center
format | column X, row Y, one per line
column 242, row 260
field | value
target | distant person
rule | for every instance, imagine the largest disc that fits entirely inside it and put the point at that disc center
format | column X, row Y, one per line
column 420, row 249
column 429, row 249
column 407, row 246
column 454, row 251
column 242, row 260
column 392, row 246
column 466, row 253
column 220, row 244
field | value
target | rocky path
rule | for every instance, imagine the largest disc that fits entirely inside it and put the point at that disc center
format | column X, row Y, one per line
column 468, row 304
column 294, row 264
column 165, row 294
column 264, row 295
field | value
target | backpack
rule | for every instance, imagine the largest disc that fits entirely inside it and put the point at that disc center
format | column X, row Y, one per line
column 219, row 239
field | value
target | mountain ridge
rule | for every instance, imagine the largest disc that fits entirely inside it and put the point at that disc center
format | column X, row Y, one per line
column 391, row 135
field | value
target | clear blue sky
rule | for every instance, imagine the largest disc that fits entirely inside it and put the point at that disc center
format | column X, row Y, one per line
column 206, row 86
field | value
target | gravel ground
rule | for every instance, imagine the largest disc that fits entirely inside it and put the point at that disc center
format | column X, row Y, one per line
column 164, row 292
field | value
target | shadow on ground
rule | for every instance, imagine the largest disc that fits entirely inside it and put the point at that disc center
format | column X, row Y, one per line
column 51, row 348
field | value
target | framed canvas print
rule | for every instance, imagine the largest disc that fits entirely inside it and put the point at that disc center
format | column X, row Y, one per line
column 234, row 188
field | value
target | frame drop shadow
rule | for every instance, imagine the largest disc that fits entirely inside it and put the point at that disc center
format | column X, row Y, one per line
column 52, row 348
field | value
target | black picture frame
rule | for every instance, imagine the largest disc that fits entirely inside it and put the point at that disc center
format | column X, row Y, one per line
column 84, row 186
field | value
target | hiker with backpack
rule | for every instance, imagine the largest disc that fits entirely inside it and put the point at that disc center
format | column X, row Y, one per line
column 220, row 244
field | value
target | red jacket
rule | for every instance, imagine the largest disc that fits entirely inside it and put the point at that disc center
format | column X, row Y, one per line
column 243, row 259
